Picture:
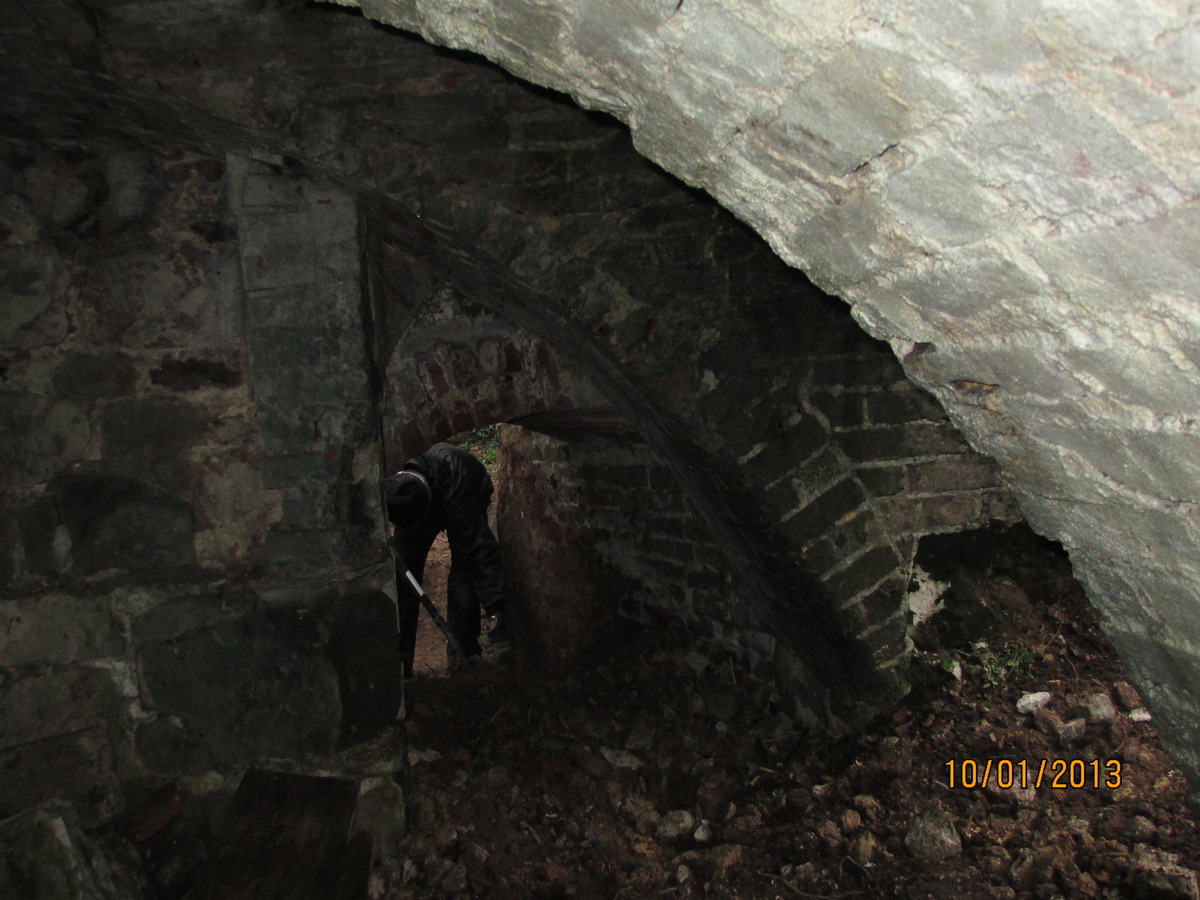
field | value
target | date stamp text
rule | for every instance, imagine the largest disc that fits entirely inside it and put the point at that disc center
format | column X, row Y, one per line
column 1057, row 774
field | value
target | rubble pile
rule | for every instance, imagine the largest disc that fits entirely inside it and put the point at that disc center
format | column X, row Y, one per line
column 663, row 771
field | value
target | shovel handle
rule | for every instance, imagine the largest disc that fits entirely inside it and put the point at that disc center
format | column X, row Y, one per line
column 434, row 614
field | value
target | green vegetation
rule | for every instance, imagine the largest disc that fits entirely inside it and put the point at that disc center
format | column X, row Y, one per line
column 483, row 442
column 994, row 666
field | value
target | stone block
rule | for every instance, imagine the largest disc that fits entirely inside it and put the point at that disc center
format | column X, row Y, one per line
column 86, row 375
column 175, row 616
column 293, row 249
column 45, row 705
column 306, row 347
column 152, row 426
column 905, row 515
column 817, row 473
column 876, row 370
column 45, row 855
column 887, row 640
column 18, row 225
column 303, row 469
column 76, row 767
column 186, row 375
column 170, row 749
column 305, row 552
column 292, row 389
column 134, row 186
column 327, row 305
column 46, row 548
column 882, row 604
column 39, row 436
column 365, row 650
column 841, row 410
column 122, row 523
column 58, row 629
column 260, row 684
column 315, row 426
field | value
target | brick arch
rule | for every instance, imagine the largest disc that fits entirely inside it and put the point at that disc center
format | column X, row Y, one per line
column 455, row 369
column 795, row 437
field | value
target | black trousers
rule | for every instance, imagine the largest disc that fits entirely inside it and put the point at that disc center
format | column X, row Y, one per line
column 463, row 611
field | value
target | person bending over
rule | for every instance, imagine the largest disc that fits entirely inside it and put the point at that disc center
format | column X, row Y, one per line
column 447, row 489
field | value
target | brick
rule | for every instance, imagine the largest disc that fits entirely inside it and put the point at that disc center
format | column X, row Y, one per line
column 853, row 618
column 778, row 458
column 925, row 515
column 822, row 555
column 883, row 603
column 901, row 442
column 899, row 407
column 821, row 514
column 953, row 474
column 1000, row 506
column 882, row 481
column 865, row 571
column 818, row 472
column 887, row 640
column 663, row 479
column 844, row 410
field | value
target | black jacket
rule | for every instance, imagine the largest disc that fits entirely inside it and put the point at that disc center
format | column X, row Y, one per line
column 460, row 492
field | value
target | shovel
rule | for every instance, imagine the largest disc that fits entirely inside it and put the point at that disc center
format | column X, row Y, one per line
column 455, row 646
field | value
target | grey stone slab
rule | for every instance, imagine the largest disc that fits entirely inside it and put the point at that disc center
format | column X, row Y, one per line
column 176, row 616
column 288, row 249
column 329, row 305
column 44, row 705
column 151, row 426
column 306, row 347
column 58, row 628
column 292, row 389
column 260, row 684
column 118, row 522
column 297, row 469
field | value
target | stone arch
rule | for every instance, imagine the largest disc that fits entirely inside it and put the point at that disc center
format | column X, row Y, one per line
column 988, row 190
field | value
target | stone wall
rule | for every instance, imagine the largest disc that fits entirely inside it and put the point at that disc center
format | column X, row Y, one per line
column 613, row 285
column 168, row 608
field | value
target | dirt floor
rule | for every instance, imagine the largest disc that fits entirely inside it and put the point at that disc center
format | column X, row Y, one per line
column 657, row 770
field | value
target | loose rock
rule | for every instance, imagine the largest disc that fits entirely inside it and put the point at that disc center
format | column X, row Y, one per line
column 1032, row 702
column 675, row 823
column 932, row 837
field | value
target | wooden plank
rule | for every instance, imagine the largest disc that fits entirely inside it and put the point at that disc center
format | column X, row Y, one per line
column 285, row 839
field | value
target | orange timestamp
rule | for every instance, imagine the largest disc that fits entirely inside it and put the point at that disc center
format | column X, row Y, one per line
column 1057, row 774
